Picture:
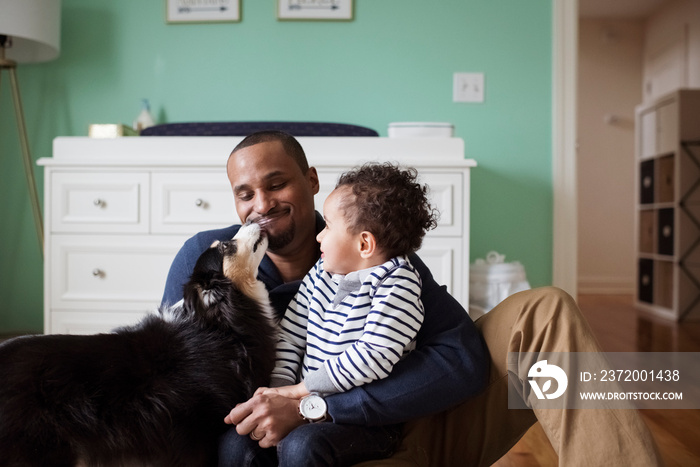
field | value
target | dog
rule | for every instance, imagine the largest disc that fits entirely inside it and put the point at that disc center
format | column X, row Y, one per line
column 155, row 393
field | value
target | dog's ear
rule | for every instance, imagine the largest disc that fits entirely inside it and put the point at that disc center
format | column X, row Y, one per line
column 210, row 260
column 201, row 293
column 198, row 295
column 205, row 297
column 206, row 293
column 210, row 296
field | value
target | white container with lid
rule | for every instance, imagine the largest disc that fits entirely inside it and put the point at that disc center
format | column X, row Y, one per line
column 492, row 280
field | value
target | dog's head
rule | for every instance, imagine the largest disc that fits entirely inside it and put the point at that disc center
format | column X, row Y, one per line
column 227, row 267
column 249, row 246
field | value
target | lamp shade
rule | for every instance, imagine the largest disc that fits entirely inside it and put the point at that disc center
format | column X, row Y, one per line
column 35, row 28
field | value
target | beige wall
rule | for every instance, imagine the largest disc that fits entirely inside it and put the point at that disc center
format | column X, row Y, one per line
column 672, row 48
column 609, row 89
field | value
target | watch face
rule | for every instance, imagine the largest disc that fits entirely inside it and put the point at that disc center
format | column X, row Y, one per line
column 313, row 407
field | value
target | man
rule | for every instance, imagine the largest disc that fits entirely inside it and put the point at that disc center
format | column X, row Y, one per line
column 271, row 180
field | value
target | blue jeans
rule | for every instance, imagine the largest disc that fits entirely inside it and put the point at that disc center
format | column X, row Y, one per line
column 315, row 444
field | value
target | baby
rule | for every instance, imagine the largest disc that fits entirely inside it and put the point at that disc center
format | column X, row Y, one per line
column 357, row 312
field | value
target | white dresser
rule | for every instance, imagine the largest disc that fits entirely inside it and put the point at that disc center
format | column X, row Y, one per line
column 118, row 210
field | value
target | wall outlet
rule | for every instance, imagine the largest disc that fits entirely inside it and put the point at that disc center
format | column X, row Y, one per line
column 468, row 87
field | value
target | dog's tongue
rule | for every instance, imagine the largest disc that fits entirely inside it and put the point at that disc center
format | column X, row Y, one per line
column 262, row 221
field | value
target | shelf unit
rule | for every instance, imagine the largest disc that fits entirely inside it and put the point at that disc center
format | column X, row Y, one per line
column 668, row 206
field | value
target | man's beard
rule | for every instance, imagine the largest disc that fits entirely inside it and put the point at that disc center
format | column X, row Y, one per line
column 282, row 239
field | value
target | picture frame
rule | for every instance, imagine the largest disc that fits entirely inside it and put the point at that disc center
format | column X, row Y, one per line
column 202, row 11
column 314, row 10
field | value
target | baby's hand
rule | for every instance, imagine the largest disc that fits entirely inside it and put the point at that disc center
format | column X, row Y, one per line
column 296, row 391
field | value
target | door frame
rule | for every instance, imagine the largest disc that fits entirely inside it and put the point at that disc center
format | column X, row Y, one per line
column 564, row 172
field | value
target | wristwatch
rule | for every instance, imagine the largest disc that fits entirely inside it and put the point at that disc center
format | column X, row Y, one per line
column 313, row 408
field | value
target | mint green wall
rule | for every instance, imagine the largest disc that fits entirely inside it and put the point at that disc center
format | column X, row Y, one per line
column 393, row 62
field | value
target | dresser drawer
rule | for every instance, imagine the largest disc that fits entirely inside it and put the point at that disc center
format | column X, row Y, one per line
column 190, row 202
column 109, row 272
column 100, row 202
column 89, row 322
column 446, row 195
column 443, row 256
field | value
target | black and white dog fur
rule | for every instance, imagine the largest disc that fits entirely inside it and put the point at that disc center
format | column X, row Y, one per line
column 151, row 394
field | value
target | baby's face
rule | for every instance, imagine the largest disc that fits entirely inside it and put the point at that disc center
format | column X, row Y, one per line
column 340, row 249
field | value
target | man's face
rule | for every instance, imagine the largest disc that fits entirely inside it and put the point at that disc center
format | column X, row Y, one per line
column 269, row 187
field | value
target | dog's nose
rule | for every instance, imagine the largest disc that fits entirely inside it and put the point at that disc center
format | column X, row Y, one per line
column 253, row 227
column 249, row 230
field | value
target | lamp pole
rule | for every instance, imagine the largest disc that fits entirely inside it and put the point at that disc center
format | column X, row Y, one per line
column 11, row 67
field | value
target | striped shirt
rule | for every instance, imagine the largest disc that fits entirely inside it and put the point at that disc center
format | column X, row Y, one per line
column 344, row 331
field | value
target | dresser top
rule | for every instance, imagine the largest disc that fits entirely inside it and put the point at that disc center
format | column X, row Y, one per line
column 213, row 151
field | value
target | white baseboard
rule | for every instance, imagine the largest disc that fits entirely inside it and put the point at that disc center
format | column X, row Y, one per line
column 601, row 285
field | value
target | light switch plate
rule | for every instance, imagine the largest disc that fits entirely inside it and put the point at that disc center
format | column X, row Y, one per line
column 468, row 87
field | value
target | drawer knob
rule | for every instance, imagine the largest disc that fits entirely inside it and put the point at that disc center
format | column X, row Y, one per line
column 666, row 231
column 199, row 203
column 99, row 203
column 98, row 272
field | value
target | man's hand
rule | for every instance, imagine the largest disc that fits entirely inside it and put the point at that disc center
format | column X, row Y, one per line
column 266, row 418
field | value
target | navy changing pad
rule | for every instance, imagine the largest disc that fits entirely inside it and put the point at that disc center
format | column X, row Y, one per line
column 246, row 128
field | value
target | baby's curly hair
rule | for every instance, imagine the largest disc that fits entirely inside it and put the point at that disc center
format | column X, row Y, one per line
column 389, row 203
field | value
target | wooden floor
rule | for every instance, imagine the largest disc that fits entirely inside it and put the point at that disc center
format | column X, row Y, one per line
column 619, row 327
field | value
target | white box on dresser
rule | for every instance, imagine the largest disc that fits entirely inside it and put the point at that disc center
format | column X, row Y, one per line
column 118, row 210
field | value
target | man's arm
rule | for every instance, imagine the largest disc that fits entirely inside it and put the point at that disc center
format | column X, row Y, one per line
column 449, row 365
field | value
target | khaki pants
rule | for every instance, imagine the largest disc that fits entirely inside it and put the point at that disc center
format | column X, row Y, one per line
column 481, row 430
